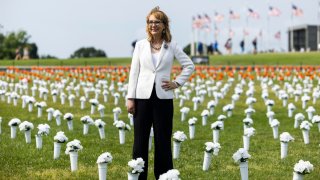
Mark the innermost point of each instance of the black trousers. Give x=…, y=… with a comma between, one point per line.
x=159, y=113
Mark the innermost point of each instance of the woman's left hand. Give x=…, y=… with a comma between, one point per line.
x=168, y=85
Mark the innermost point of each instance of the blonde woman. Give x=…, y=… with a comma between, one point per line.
x=150, y=91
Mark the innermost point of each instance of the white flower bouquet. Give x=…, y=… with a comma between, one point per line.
x=14, y=122
x=40, y=104
x=305, y=125
x=99, y=123
x=179, y=136
x=73, y=146
x=116, y=110
x=172, y=174
x=218, y=125
x=286, y=137
x=68, y=116
x=121, y=125
x=26, y=126
x=60, y=137
x=43, y=129
x=221, y=117
x=136, y=166
x=274, y=123
x=247, y=121
x=104, y=158
x=192, y=121
x=205, y=113
x=241, y=155
x=86, y=120
x=213, y=148
x=303, y=167
x=94, y=102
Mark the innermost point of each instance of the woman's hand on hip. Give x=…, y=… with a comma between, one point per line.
x=169, y=85
x=131, y=106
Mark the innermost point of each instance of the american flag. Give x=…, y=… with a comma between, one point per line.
x=218, y=17
x=245, y=32
x=277, y=35
x=253, y=13
x=273, y=11
x=233, y=15
x=197, y=22
x=296, y=11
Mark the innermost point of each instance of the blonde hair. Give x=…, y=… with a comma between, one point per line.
x=157, y=13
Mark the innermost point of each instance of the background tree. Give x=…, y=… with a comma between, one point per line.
x=87, y=52
x=13, y=40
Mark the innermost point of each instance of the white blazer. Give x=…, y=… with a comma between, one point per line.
x=143, y=73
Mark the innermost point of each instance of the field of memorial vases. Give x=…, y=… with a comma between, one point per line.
x=259, y=122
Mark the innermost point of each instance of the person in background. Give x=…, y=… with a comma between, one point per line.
x=254, y=44
x=150, y=91
x=18, y=53
x=242, y=45
x=228, y=46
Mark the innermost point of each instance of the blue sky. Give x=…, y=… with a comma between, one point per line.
x=59, y=27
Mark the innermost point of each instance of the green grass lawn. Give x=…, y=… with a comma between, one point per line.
x=312, y=58
x=19, y=160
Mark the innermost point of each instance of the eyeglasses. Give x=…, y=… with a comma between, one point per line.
x=157, y=23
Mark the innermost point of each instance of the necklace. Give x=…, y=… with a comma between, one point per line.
x=156, y=48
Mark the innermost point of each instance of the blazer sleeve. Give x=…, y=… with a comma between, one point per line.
x=186, y=63
x=134, y=73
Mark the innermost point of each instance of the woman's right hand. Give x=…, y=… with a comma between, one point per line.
x=130, y=106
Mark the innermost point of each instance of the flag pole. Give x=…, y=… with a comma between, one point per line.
x=268, y=29
x=192, y=39
x=291, y=31
x=318, y=27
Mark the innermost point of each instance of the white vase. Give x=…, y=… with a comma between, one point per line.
x=310, y=115
x=115, y=116
x=181, y=102
x=131, y=121
x=195, y=106
x=297, y=176
x=269, y=108
x=192, y=131
x=82, y=105
x=30, y=107
x=101, y=113
x=62, y=100
x=70, y=124
x=229, y=113
x=244, y=170
x=211, y=110
x=93, y=109
x=105, y=98
x=101, y=133
x=102, y=168
x=290, y=113
x=56, y=150
x=27, y=135
x=204, y=120
x=284, y=102
x=116, y=101
x=304, y=103
x=74, y=160
x=206, y=161
x=216, y=135
x=183, y=116
x=38, y=141
x=122, y=136
x=133, y=176
x=176, y=149
x=275, y=131
x=305, y=134
x=284, y=150
x=58, y=120
x=49, y=116
x=318, y=126
x=85, y=129
x=246, y=142
x=245, y=127
x=13, y=132
x=296, y=124
x=54, y=98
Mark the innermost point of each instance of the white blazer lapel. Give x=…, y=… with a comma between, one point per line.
x=162, y=51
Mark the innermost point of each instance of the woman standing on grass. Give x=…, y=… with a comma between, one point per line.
x=150, y=91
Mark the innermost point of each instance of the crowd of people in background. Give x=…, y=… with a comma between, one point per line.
x=213, y=48
x=22, y=54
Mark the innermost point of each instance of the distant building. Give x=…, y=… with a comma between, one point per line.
x=305, y=38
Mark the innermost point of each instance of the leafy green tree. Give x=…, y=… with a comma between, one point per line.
x=87, y=52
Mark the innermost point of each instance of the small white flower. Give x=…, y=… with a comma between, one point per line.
x=26, y=126
x=217, y=125
x=205, y=113
x=247, y=121
x=105, y=158
x=121, y=125
x=86, y=120
x=274, y=123
x=60, y=137
x=212, y=147
x=73, y=146
x=68, y=116
x=179, y=136
x=291, y=106
x=316, y=119
x=221, y=117
x=192, y=121
x=306, y=125
x=44, y=129
x=241, y=155
x=303, y=167
x=136, y=165
x=117, y=110
x=99, y=123
x=184, y=110
x=286, y=137
x=299, y=117
x=172, y=174
x=14, y=122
